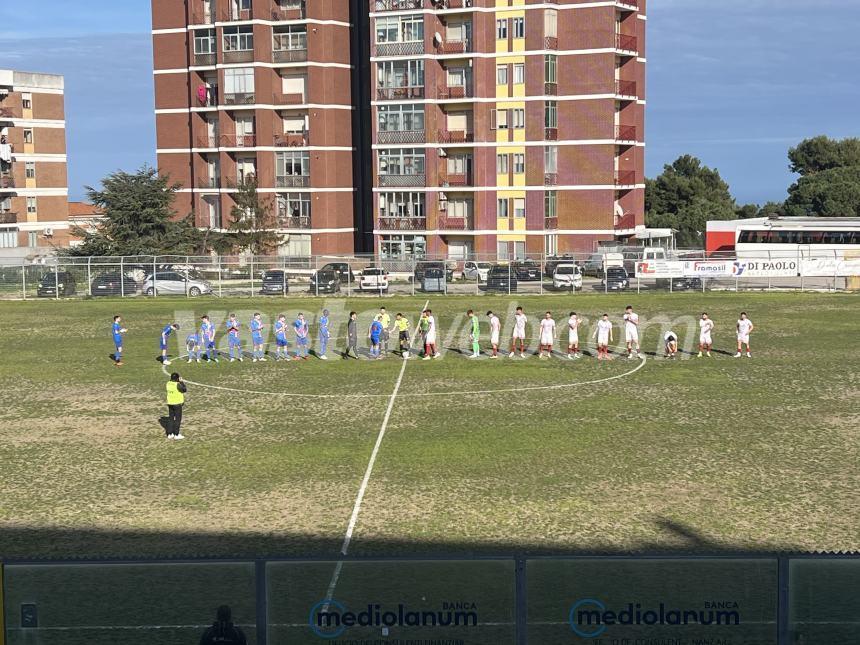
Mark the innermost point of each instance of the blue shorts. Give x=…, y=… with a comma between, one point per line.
x=302, y=340
x=117, y=340
x=281, y=342
x=162, y=345
x=256, y=339
x=234, y=341
x=374, y=340
x=210, y=344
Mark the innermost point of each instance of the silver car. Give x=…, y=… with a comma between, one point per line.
x=173, y=283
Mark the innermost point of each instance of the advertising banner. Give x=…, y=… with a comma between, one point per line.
x=829, y=267
x=708, y=268
x=660, y=269
x=780, y=268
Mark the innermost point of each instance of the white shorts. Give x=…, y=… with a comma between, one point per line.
x=573, y=338
x=602, y=340
x=430, y=338
x=744, y=338
x=631, y=336
x=705, y=339
x=546, y=339
x=494, y=339
x=519, y=335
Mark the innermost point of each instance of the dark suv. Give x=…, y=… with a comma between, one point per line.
x=61, y=283
x=501, y=277
x=275, y=282
x=342, y=269
x=325, y=281
x=113, y=284
x=615, y=279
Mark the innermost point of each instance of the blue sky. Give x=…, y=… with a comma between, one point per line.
x=735, y=82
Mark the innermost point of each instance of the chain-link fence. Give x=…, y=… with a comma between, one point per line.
x=234, y=276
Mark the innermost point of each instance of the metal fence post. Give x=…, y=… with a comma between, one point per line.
x=121, y=278
x=414, y=277
x=220, y=285
x=154, y=280
x=24, y=279
x=90, y=276
x=56, y=280
x=252, y=276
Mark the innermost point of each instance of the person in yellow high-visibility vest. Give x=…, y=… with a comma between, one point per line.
x=176, y=390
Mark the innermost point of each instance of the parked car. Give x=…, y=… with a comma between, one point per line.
x=421, y=267
x=476, y=271
x=342, y=269
x=275, y=282
x=552, y=263
x=61, y=283
x=615, y=279
x=526, y=270
x=324, y=282
x=113, y=284
x=433, y=280
x=501, y=277
x=567, y=276
x=680, y=284
x=173, y=282
x=598, y=262
x=373, y=279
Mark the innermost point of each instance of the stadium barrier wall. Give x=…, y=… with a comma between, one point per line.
x=518, y=600
x=242, y=276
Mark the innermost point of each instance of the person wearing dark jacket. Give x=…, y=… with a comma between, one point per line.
x=223, y=631
x=176, y=390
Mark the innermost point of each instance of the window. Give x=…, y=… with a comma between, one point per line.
x=204, y=41
x=8, y=238
x=398, y=247
x=501, y=164
x=501, y=208
x=28, y=135
x=32, y=239
x=502, y=29
x=550, y=204
x=292, y=164
x=246, y=169
x=400, y=118
x=31, y=205
x=519, y=207
x=519, y=73
x=550, y=65
x=550, y=159
x=296, y=246
x=550, y=23
x=550, y=112
x=499, y=120
x=239, y=80
x=401, y=205
x=502, y=250
x=30, y=169
x=551, y=245
x=401, y=161
x=519, y=27
x=459, y=209
x=519, y=118
x=400, y=73
x=459, y=164
x=292, y=38
x=27, y=100
x=403, y=29
x=294, y=205
x=519, y=164
x=501, y=74
x=238, y=39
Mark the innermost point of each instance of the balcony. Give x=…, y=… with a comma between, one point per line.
x=400, y=136
x=292, y=181
x=550, y=89
x=395, y=5
x=291, y=139
x=625, y=133
x=550, y=42
x=8, y=217
x=232, y=15
x=550, y=223
x=625, y=179
x=206, y=141
x=628, y=44
x=447, y=92
x=240, y=98
x=288, y=99
x=213, y=183
x=454, y=136
x=626, y=89
x=204, y=60
x=207, y=96
x=289, y=55
x=288, y=221
x=402, y=181
x=239, y=56
x=238, y=140
x=401, y=223
x=400, y=49
x=404, y=92
x=454, y=4
x=454, y=47
x=454, y=222
x=550, y=179
x=455, y=179
x=296, y=12
x=201, y=17
x=550, y=134
x=629, y=5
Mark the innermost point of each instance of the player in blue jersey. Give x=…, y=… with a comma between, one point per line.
x=257, y=327
x=302, y=341
x=375, y=335
x=118, y=330
x=281, y=344
x=324, y=334
x=233, y=340
x=165, y=334
x=192, y=344
x=207, y=339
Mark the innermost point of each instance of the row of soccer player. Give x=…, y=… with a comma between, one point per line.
x=202, y=344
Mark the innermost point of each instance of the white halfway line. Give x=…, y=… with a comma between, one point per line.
x=356, y=509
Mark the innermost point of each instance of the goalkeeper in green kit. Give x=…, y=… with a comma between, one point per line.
x=474, y=334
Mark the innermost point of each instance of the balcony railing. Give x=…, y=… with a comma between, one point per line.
x=550, y=42
x=233, y=15
x=453, y=4
x=448, y=179
x=626, y=43
x=292, y=181
x=288, y=99
x=287, y=221
x=208, y=182
x=206, y=141
x=201, y=17
x=455, y=136
x=550, y=179
x=550, y=134
x=239, y=56
x=291, y=139
x=8, y=217
x=625, y=133
x=550, y=223
x=550, y=89
x=401, y=223
x=446, y=92
x=289, y=13
x=455, y=47
x=402, y=181
x=626, y=88
x=455, y=223
x=625, y=178
x=239, y=98
x=400, y=49
x=238, y=140
x=289, y=55
x=204, y=60
x=395, y=5
x=393, y=93
x=400, y=136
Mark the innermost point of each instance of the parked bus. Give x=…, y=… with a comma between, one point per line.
x=798, y=237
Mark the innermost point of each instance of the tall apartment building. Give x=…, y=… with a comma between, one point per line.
x=507, y=127
x=259, y=89
x=34, y=211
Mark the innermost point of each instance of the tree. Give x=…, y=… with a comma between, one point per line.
x=829, y=183
x=684, y=197
x=252, y=226
x=137, y=218
x=822, y=153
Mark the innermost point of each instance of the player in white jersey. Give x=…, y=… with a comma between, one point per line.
x=745, y=328
x=631, y=331
x=495, y=333
x=573, y=336
x=547, y=335
x=603, y=333
x=706, y=326
x=519, y=334
x=670, y=338
x=430, y=338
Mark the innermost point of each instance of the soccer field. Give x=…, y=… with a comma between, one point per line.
x=514, y=456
